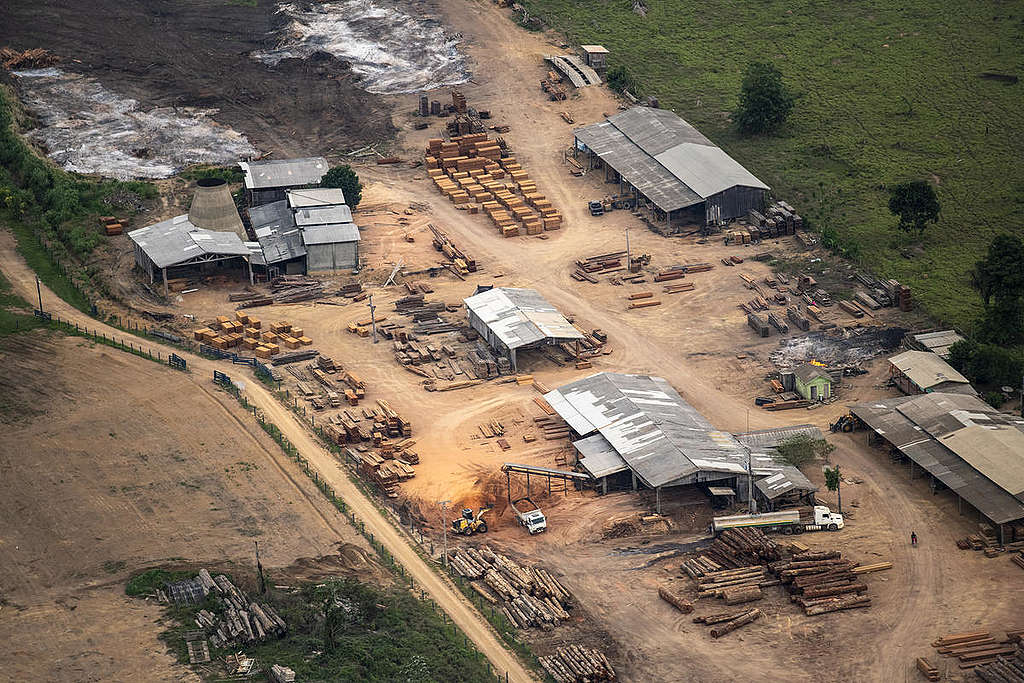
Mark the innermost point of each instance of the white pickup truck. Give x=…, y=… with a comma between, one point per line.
x=786, y=521
x=529, y=515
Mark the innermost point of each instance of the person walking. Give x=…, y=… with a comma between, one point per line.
x=913, y=538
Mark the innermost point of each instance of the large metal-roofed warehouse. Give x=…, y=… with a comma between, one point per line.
x=640, y=425
x=512, y=319
x=678, y=175
x=963, y=443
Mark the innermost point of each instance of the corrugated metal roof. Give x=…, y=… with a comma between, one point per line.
x=918, y=426
x=637, y=167
x=594, y=49
x=770, y=438
x=995, y=451
x=683, y=167
x=925, y=369
x=316, y=196
x=519, y=317
x=660, y=436
x=260, y=175
x=785, y=480
x=275, y=216
x=281, y=246
x=176, y=241
x=808, y=373
x=323, y=215
x=937, y=342
x=598, y=457
x=330, y=234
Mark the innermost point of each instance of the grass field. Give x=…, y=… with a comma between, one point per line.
x=886, y=92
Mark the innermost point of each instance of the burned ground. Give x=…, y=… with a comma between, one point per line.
x=199, y=54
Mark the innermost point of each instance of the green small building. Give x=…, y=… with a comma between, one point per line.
x=812, y=382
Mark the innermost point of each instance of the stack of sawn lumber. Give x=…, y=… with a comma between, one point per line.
x=576, y=664
x=601, y=264
x=822, y=582
x=528, y=596
x=977, y=648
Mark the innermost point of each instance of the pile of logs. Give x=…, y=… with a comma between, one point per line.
x=36, y=58
x=726, y=622
x=576, y=664
x=601, y=264
x=242, y=620
x=528, y=596
x=822, y=582
x=1008, y=668
x=462, y=262
x=733, y=549
x=288, y=289
x=981, y=648
x=735, y=586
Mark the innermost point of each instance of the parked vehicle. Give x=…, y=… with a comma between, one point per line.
x=596, y=208
x=469, y=524
x=785, y=521
x=529, y=515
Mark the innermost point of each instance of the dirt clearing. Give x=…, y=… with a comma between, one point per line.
x=110, y=465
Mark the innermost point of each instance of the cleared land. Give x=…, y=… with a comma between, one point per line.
x=112, y=465
x=886, y=92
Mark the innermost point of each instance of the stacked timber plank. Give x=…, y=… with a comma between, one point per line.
x=459, y=259
x=577, y=664
x=238, y=619
x=587, y=269
x=1001, y=656
x=476, y=173
x=527, y=596
x=551, y=427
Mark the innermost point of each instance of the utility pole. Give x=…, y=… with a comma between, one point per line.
x=373, y=318
x=444, y=528
x=751, y=505
x=839, y=488
x=259, y=569
x=39, y=293
x=627, y=249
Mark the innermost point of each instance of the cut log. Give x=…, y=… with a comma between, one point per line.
x=730, y=626
x=675, y=600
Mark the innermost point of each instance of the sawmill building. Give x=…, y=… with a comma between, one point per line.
x=677, y=175
x=963, y=444
x=511, y=320
x=923, y=372
x=637, y=431
x=309, y=231
x=269, y=181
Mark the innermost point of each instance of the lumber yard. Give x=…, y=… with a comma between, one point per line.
x=549, y=364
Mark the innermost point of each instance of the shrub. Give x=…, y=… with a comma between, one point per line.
x=765, y=102
x=345, y=178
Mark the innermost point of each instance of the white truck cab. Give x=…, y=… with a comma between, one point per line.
x=826, y=518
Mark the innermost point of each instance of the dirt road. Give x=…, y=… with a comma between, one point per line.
x=461, y=611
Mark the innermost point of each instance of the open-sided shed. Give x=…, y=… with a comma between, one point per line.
x=177, y=248
x=510, y=319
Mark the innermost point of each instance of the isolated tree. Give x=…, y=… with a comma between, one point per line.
x=801, y=449
x=765, y=102
x=833, y=482
x=344, y=178
x=916, y=205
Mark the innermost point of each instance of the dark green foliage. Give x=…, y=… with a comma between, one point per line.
x=916, y=204
x=1000, y=279
x=147, y=582
x=832, y=478
x=345, y=178
x=1001, y=272
x=801, y=449
x=620, y=79
x=344, y=630
x=765, y=102
x=59, y=205
x=994, y=398
x=988, y=364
